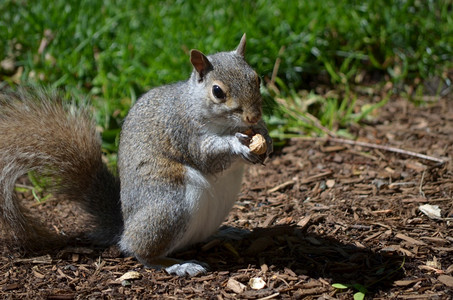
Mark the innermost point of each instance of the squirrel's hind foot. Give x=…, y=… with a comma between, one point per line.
x=188, y=268
x=176, y=267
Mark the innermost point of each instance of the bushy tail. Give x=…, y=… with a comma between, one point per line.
x=39, y=133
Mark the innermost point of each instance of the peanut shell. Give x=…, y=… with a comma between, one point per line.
x=258, y=144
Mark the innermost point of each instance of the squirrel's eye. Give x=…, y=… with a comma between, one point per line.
x=218, y=92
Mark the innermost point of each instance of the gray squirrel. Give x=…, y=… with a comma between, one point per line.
x=181, y=157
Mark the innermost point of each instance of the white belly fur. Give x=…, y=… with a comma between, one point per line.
x=210, y=199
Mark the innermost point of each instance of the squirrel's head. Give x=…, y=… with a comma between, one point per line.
x=231, y=87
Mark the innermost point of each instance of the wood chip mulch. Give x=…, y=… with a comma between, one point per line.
x=317, y=214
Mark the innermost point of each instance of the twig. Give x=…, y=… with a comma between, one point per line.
x=270, y=296
x=315, y=177
x=380, y=147
x=277, y=65
x=281, y=186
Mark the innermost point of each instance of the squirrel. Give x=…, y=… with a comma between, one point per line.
x=181, y=158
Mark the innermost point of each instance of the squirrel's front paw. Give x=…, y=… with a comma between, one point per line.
x=189, y=268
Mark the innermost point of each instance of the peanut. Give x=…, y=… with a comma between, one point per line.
x=258, y=144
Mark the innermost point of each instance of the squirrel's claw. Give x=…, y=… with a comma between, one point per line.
x=243, y=138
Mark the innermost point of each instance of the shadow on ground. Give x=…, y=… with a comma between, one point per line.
x=289, y=249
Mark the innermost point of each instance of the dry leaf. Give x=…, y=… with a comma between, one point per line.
x=434, y=263
x=432, y=211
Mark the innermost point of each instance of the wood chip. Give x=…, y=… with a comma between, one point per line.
x=334, y=148
x=446, y=279
x=62, y=274
x=10, y=287
x=409, y=239
x=374, y=235
x=434, y=240
x=315, y=177
x=304, y=222
x=431, y=269
x=45, y=259
x=446, y=249
x=204, y=278
x=270, y=219
x=38, y=274
x=305, y=292
x=421, y=297
x=235, y=286
x=408, y=282
x=416, y=166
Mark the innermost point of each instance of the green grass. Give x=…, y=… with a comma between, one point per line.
x=113, y=51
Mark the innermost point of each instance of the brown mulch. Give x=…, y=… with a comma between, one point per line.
x=319, y=213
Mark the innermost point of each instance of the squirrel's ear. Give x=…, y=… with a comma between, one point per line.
x=200, y=62
x=240, y=50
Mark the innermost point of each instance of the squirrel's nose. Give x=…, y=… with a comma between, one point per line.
x=253, y=119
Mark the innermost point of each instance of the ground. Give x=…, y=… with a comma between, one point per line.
x=317, y=214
